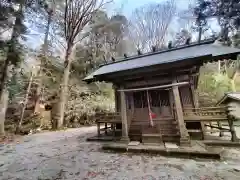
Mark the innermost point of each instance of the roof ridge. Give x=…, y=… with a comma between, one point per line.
x=207, y=41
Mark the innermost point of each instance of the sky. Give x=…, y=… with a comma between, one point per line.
x=128, y=6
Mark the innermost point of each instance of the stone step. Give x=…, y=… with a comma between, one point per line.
x=174, y=139
x=152, y=138
x=171, y=135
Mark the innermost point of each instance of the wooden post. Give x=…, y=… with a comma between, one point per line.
x=232, y=130
x=116, y=96
x=106, y=128
x=98, y=129
x=196, y=105
x=131, y=110
x=125, y=137
x=131, y=101
x=219, y=124
x=25, y=102
x=184, y=139
x=171, y=100
x=117, y=104
x=3, y=109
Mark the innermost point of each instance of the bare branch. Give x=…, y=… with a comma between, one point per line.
x=149, y=24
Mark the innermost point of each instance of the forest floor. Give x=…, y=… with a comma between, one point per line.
x=67, y=155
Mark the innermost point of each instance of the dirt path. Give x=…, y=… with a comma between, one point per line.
x=66, y=155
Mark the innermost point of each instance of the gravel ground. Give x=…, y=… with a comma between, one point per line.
x=66, y=155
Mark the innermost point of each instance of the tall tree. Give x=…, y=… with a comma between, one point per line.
x=13, y=18
x=106, y=39
x=49, y=10
x=228, y=15
x=201, y=12
x=12, y=55
x=117, y=29
x=227, y=12
x=77, y=15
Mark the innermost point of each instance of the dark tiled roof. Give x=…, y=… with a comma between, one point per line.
x=165, y=56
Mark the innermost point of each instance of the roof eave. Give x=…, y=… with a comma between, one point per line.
x=225, y=97
x=232, y=56
x=104, y=77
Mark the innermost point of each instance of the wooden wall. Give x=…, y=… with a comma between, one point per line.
x=165, y=107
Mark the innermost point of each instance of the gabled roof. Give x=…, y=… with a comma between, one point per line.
x=166, y=56
x=232, y=95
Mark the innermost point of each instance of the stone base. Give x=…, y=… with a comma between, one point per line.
x=159, y=149
x=234, y=137
x=125, y=139
x=152, y=139
x=185, y=142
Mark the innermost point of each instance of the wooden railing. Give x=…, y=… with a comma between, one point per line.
x=108, y=119
x=211, y=117
x=205, y=114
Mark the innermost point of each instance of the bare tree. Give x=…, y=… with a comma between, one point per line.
x=149, y=24
x=77, y=15
x=49, y=11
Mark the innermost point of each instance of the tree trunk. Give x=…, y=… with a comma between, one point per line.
x=11, y=49
x=7, y=68
x=64, y=86
x=219, y=67
x=3, y=109
x=45, y=49
x=25, y=104
x=200, y=34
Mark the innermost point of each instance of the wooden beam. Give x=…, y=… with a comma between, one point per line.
x=184, y=139
x=116, y=98
x=155, y=87
x=217, y=127
x=153, y=81
x=147, y=82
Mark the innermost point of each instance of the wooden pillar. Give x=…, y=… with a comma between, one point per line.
x=98, y=129
x=117, y=104
x=184, y=139
x=125, y=137
x=196, y=105
x=106, y=127
x=131, y=110
x=116, y=98
x=232, y=130
x=131, y=101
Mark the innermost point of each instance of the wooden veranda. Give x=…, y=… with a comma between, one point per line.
x=213, y=120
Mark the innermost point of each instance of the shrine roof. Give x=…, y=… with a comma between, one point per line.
x=177, y=54
x=231, y=95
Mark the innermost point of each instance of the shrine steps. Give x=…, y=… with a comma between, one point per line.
x=162, y=131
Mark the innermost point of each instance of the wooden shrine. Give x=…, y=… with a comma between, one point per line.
x=155, y=93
